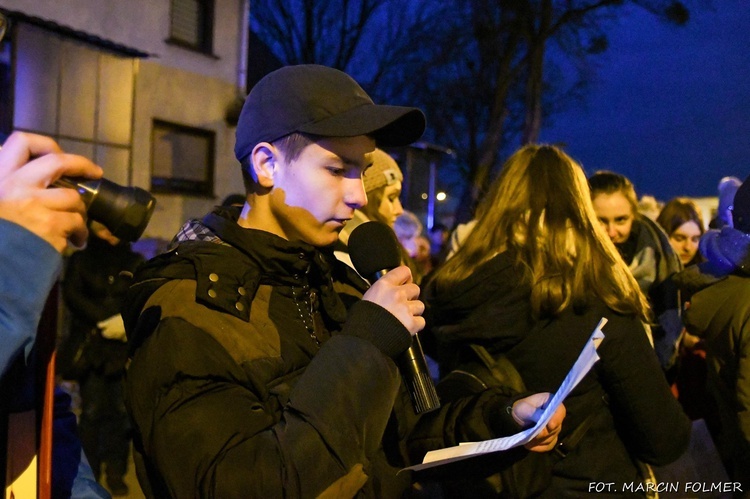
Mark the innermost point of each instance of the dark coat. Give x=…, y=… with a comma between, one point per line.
x=249, y=377
x=719, y=313
x=635, y=413
x=94, y=286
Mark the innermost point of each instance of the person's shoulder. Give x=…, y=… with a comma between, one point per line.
x=616, y=322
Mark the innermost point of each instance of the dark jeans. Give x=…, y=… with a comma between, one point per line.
x=104, y=426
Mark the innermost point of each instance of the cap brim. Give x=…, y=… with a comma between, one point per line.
x=388, y=125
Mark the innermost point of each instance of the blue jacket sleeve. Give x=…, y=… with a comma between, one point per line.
x=28, y=269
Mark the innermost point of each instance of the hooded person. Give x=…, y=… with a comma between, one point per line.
x=719, y=313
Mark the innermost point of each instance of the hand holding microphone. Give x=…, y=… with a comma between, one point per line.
x=397, y=293
x=374, y=250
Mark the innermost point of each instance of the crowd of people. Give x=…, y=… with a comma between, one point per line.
x=250, y=359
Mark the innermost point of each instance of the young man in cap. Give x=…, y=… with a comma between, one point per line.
x=249, y=378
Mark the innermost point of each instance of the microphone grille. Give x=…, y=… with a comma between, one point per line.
x=373, y=247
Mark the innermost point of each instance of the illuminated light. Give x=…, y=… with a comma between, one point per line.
x=424, y=195
x=441, y=196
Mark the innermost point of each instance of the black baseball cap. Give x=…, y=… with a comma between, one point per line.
x=319, y=100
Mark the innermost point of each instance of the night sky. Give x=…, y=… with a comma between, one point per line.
x=670, y=107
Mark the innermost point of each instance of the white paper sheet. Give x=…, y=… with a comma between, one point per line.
x=581, y=367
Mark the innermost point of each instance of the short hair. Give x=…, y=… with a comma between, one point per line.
x=607, y=182
x=291, y=147
x=677, y=212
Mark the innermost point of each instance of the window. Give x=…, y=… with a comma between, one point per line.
x=182, y=159
x=192, y=24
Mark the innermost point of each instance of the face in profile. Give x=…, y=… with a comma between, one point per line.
x=615, y=213
x=314, y=195
x=685, y=240
x=390, y=205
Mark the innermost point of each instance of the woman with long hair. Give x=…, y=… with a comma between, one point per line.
x=682, y=221
x=528, y=285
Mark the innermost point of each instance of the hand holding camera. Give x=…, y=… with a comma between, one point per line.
x=30, y=163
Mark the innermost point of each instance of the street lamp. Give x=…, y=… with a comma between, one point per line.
x=432, y=186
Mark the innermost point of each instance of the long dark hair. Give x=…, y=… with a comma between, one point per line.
x=540, y=209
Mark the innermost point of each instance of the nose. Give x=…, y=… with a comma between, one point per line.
x=398, y=208
x=692, y=246
x=611, y=231
x=354, y=194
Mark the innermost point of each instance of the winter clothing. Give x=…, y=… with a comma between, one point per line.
x=725, y=250
x=625, y=399
x=652, y=261
x=93, y=290
x=384, y=171
x=250, y=378
x=719, y=313
x=28, y=269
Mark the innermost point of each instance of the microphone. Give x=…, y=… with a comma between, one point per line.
x=374, y=250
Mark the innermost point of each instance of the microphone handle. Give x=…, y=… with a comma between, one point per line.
x=413, y=367
x=414, y=371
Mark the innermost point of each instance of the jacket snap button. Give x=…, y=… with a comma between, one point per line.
x=241, y=291
x=239, y=306
x=213, y=277
x=212, y=293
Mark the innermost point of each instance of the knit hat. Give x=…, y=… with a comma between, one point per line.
x=741, y=207
x=384, y=171
x=319, y=100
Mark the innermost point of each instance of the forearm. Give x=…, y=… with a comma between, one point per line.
x=471, y=418
x=657, y=430
x=28, y=269
x=261, y=439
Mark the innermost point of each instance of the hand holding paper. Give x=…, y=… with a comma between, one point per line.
x=581, y=367
x=527, y=411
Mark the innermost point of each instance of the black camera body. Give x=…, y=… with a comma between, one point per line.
x=125, y=211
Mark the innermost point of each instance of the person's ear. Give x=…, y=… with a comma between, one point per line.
x=263, y=163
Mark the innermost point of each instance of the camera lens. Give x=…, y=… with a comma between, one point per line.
x=125, y=211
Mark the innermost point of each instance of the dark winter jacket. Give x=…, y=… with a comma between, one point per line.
x=634, y=413
x=719, y=313
x=250, y=378
x=94, y=286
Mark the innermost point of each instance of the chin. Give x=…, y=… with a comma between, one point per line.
x=323, y=239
